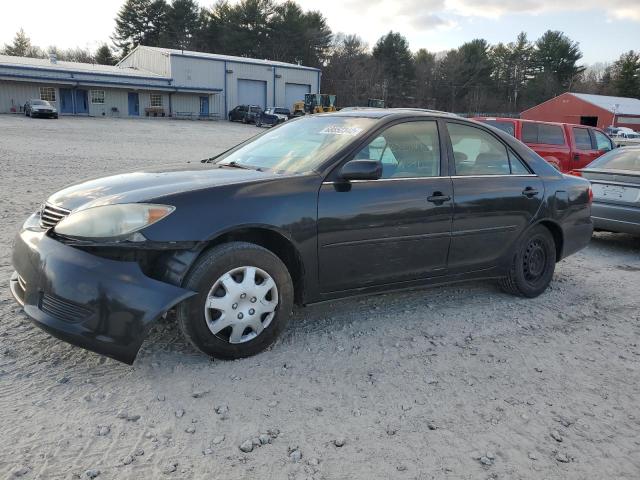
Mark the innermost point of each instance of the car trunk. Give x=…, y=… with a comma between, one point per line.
x=621, y=187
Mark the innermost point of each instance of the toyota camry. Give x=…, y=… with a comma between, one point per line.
x=319, y=208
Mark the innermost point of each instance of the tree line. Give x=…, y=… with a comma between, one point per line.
x=473, y=78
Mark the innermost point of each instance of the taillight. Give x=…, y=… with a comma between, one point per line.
x=590, y=194
x=576, y=173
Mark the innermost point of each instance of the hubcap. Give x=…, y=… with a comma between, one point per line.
x=535, y=261
x=241, y=304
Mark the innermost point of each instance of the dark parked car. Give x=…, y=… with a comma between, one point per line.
x=323, y=207
x=40, y=108
x=245, y=113
x=615, y=180
x=273, y=116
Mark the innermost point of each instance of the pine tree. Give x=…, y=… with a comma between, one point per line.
x=183, y=21
x=626, y=75
x=21, y=46
x=104, y=56
x=140, y=22
x=396, y=64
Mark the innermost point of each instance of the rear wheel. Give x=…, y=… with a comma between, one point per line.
x=533, y=264
x=244, y=301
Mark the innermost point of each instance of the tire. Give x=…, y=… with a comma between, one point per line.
x=198, y=323
x=533, y=264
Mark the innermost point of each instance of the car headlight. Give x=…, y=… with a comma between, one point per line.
x=112, y=221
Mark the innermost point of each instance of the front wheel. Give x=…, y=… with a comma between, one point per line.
x=244, y=301
x=533, y=264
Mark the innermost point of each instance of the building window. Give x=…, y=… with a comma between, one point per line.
x=97, y=96
x=155, y=100
x=48, y=94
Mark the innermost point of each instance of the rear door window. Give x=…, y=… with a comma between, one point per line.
x=476, y=152
x=542, y=133
x=583, y=139
x=550, y=134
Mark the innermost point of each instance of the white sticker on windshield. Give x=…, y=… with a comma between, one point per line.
x=340, y=130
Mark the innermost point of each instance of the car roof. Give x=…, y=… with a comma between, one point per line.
x=526, y=120
x=370, y=112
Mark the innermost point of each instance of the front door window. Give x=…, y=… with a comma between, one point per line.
x=406, y=150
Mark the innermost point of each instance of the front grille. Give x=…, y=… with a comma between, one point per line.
x=50, y=216
x=63, y=309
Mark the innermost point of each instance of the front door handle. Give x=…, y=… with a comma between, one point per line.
x=530, y=192
x=438, y=198
x=576, y=157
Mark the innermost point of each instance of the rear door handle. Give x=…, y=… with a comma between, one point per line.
x=438, y=198
x=530, y=192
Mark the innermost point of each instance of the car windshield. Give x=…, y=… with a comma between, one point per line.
x=298, y=146
x=39, y=102
x=619, y=159
x=282, y=111
x=505, y=126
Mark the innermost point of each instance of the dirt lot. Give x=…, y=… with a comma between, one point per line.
x=462, y=382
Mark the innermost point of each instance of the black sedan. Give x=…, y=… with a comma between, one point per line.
x=318, y=208
x=40, y=108
x=615, y=180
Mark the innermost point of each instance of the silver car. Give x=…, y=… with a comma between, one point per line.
x=40, y=108
x=615, y=182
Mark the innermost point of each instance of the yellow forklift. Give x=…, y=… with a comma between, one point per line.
x=315, y=103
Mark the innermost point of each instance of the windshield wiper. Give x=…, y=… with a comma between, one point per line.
x=235, y=164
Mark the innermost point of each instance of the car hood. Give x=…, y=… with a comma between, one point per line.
x=140, y=186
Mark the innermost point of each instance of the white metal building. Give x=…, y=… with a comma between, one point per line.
x=154, y=81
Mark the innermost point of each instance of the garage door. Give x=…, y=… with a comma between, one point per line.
x=252, y=92
x=294, y=92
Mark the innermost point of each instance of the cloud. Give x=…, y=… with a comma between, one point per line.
x=498, y=8
x=429, y=21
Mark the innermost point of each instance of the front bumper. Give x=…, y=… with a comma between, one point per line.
x=103, y=305
x=40, y=114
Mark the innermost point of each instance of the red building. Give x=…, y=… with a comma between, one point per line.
x=584, y=109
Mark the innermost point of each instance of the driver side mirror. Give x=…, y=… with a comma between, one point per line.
x=361, y=170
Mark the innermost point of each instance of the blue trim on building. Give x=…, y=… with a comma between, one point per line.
x=182, y=88
x=226, y=108
x=76, y=82
x=318, y=89
x=274, y=87
x=246, y=62
x=81, y=72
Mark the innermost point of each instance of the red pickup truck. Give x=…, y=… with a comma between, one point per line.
x=566, y=146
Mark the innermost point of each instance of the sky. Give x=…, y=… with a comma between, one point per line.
x=604, y=29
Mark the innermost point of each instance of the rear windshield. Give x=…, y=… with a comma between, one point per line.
x=282, y=111
x=298, y=146
x=619, y=159
x=505, y=126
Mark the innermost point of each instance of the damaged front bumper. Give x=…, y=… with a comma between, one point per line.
x=96, y=303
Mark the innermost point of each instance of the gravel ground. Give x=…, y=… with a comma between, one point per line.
x=461, y=382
